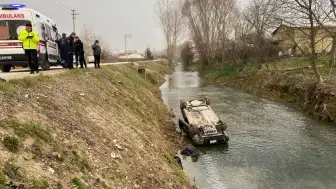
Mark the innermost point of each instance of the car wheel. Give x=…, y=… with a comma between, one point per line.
x=221, y=126
x=180, y=123
x=193, y=130
x=207, y=101
x=183, y=104
x=45, y=64
x=6, y=68
x=226, y=138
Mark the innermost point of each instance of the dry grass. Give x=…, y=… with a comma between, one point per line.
x=299, y=68
x=71, y=124
x=160, y=67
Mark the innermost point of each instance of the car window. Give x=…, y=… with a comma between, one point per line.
x=10, y=29
x=55, y=32
x=49, y=33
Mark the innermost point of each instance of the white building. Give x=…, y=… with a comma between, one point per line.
x=133, y=56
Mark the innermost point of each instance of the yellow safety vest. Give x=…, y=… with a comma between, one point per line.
x=29, y=43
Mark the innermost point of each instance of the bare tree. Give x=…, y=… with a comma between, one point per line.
x=325, y=18
x=262, y=15
x=88, y=37
x=247, y=48
x=329, y=9
x=332, y=16
x=170, y=18
x=308, y=17
x=210, y=24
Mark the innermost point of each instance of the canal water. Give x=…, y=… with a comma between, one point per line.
x=271, y=145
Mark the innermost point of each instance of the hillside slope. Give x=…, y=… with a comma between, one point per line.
x=86, y=129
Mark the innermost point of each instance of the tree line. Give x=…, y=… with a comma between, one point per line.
x=222, y=33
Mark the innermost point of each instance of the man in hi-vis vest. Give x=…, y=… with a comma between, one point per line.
x=30, y=40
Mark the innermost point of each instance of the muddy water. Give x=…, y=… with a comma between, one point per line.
x=271, y=145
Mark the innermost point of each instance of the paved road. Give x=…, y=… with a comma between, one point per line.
x=24, y=72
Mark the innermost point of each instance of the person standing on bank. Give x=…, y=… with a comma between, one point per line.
x=63, y=45
x=70, y=50
x=76, y=50
x=30, y=40
x=96, y=53
x=79, y=51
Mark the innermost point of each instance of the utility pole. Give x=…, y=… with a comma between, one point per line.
x=73, y=19
x=126, y=37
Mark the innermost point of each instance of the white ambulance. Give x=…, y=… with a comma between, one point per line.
x=13, y=18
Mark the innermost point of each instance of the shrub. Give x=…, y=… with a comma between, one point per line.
x=12, y=170
x=3, y=180
x=78, y=183
x=41, y=184
x=33, y=130
x=11, y=143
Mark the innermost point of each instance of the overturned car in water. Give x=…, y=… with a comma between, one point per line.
x=201, y=123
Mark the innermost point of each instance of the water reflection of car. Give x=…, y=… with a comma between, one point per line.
x=201, y=123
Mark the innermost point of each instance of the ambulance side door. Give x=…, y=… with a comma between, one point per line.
x=57, y=37
x=42, y=34
x=51, y=44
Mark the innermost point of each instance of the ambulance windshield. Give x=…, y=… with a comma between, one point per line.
x=10, y=29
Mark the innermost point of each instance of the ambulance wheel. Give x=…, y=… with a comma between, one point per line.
x=6, y=68
x=45, y=64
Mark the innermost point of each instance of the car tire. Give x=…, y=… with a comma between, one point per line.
x=193, y=131
x=183, y=104
x=207, y=101
x=45, y=63
x=181, y=125
x=226, y=138
x=184, y=126
x=221, y=126
x=6, y=68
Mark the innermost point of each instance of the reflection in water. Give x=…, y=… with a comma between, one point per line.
x=271, y=145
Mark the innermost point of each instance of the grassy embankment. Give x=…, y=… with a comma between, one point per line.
x=288, y=80
x=88, y=128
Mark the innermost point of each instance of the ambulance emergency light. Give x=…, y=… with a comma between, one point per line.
x=12, y=5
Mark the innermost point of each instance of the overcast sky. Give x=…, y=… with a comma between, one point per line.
x=110, y=19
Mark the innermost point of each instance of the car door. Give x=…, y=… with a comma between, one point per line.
x=57, y=37
x=52, y=50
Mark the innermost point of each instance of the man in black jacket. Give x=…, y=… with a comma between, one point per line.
x=62, y=46
x=79, y=53
x=77, y=49
x=70, y=50
x=96, y=53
